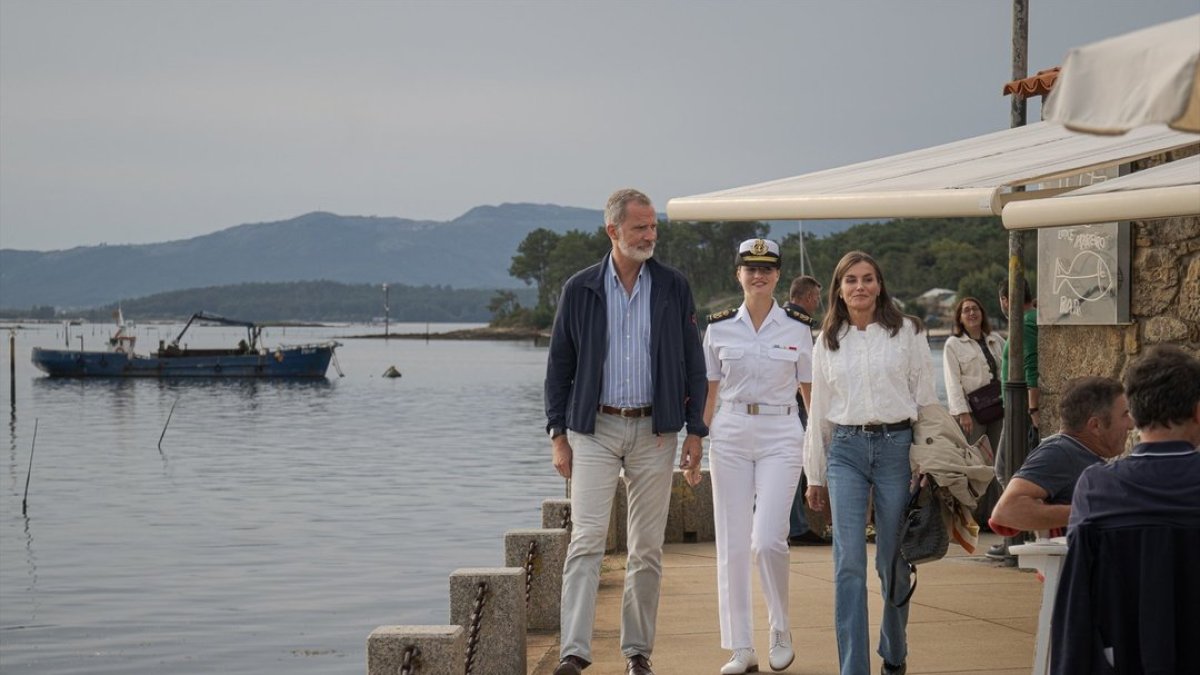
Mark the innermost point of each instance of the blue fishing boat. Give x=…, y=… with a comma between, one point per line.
x=247, y=359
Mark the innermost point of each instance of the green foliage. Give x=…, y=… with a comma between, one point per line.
x=316, y=301
x=916, y=254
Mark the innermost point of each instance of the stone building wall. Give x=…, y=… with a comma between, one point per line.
x=1164, y=306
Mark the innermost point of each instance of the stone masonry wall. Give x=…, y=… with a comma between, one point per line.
x=1164, y=304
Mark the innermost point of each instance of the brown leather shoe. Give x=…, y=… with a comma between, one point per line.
x=571, y=665
x=639, y=665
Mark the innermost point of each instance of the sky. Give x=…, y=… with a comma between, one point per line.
x=126, y=122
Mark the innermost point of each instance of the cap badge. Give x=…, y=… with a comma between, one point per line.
x=759, y=247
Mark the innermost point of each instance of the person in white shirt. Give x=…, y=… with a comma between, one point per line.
x=872, y=371
x=970, y=360
x=758, y=356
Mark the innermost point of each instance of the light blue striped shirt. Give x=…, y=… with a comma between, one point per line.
x=627, y=368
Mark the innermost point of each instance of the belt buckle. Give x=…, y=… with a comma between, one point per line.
x=627, y=412
x=752, y=409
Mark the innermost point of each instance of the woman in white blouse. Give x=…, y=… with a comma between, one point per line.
x=758, y=356
x=970, y=360
x=872, y=371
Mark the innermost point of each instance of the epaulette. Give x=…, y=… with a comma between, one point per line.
x=800, y=316
x=722, y=315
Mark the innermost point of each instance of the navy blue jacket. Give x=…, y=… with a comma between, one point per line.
x=579, y=345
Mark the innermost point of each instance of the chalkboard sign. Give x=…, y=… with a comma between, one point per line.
x=1083, y=274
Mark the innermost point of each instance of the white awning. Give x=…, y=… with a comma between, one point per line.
x=1149, y=76
x=1164, y=191
x=972, y=177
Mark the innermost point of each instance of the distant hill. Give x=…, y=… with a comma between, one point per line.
x=472, y=251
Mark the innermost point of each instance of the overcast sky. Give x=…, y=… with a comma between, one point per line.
x=147, y=121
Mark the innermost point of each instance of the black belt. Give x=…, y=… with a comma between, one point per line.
x=643, y=411
x=881, y=428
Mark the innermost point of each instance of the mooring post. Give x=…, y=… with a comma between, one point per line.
x=489, y=603
x=417, y=650
x=541, y=553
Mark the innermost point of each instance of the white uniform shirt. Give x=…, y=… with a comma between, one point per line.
x=872, y=378
x=748, y=363
x=965, y=368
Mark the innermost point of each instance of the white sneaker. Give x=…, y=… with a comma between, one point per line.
x=742, y=661
x=781, y=655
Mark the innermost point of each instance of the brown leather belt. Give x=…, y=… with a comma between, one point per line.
x=644, y=411
x=882, y=428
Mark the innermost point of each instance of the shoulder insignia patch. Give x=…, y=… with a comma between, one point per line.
x=722, y=315
x=800, y=316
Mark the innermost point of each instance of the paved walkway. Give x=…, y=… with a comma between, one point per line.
x=969, y=615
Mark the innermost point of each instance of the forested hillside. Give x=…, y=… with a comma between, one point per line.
x=964, y=254
x=313, y=301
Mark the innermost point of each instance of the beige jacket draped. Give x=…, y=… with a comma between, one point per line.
x=960, y=470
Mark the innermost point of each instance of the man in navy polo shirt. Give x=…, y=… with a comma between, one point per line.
x=1126, y=600
x=1160, y=480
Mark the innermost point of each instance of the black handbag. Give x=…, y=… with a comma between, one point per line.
x=986, y=404
x=923, y=534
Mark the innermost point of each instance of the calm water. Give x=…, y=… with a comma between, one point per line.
x=282, y=521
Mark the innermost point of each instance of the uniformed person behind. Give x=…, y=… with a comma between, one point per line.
x=804, y=299
x=758, y=356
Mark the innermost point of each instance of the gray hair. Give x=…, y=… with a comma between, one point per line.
x=614, y=211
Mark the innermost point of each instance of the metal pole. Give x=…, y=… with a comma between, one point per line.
x=1017, y=395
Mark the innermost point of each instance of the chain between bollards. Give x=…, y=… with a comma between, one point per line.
x=476, y=617
x=529, y=571
x=566, y=520
x=409, y=665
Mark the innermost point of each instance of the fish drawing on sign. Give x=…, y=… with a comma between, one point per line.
x=1088, y=276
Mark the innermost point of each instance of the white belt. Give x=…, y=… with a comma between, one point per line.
x=764, y=409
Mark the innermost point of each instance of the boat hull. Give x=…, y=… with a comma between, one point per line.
x=309, y=361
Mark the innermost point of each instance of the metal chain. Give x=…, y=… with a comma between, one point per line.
x=409, y=665
x=566, y=521
x=476, y=617
x=529, y=570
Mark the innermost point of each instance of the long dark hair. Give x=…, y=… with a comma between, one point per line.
x=886, y=312
x=959, y=328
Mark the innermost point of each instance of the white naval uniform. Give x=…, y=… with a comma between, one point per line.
x=754, y=459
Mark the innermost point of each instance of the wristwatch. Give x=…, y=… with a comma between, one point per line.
x=555, y=432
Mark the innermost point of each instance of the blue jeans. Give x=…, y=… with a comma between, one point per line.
x=859, y=461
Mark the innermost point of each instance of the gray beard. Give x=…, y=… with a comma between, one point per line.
x=634, y=253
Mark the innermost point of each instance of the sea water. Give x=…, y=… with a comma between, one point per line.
x=280, y=522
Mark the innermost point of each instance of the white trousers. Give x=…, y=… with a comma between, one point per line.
x=755, y=463
x=648, y=461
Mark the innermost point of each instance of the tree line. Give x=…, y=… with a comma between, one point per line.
x=300, y=301
x=967, y=255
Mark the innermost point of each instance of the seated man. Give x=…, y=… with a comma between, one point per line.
x=1095, y=423
x=1135, y=536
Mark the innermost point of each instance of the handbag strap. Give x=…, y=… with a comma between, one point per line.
x=987, y=354
x=913, y=501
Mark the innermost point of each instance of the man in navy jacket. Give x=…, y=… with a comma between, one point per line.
x=1127, y=599
x=625, y=374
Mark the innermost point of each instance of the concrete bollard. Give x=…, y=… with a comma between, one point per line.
x=556, y=513
x=690, y=516
x=545, y=587
x=500, y=647
x=618, y=520
x=439, y=650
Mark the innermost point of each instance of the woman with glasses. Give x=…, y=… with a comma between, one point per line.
x=970, y=360
x=758, y=356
